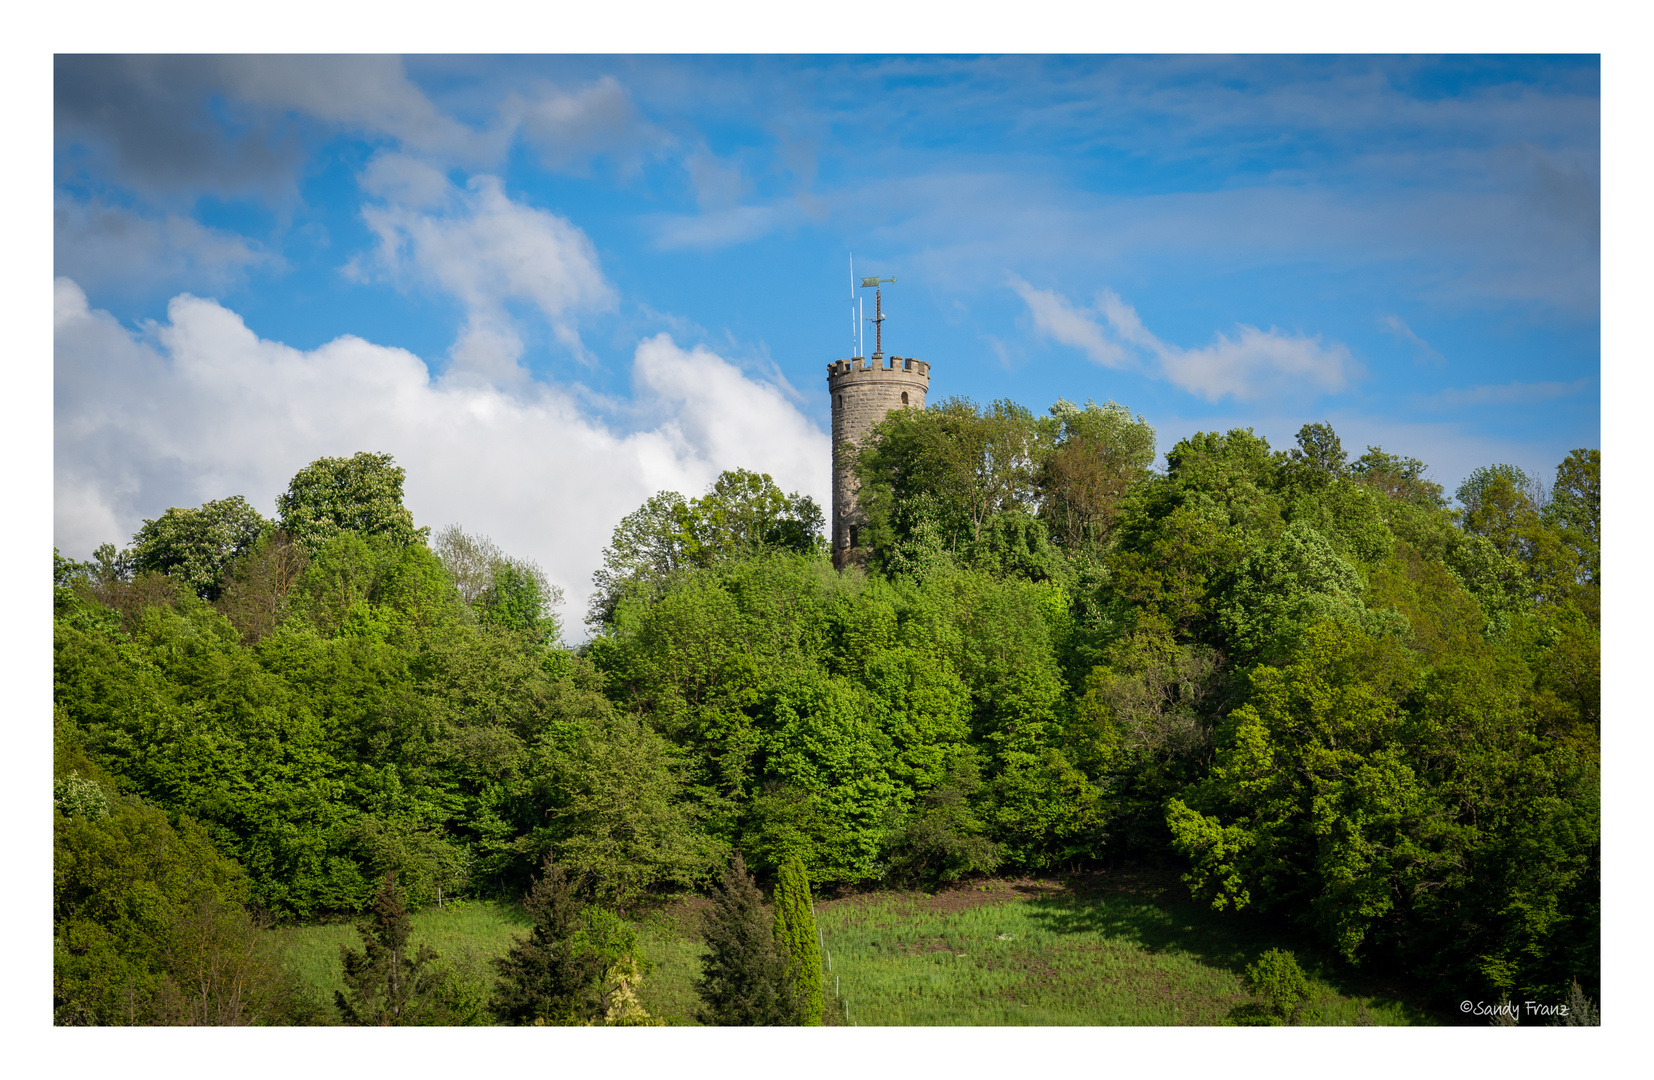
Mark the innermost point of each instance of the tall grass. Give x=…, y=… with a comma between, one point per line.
x=466, y=936
x=1056, y=961
x=668, y=991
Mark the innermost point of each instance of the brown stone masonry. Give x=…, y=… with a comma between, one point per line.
x=864, y=390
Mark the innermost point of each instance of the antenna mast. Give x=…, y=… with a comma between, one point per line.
x=855, y=324
x=878, y=311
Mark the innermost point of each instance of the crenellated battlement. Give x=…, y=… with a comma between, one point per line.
x=876, y=367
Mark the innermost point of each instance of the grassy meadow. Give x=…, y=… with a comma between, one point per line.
x=1109, y=950
x=1038, y=953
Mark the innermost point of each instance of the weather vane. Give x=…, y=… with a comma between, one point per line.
x=878, y=310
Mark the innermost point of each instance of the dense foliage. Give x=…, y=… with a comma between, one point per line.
x=1310, y=683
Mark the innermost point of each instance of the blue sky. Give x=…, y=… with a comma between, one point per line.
x=553, y=285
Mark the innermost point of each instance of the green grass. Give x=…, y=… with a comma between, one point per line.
x=1119, y=959
x=466, y=935
x=668, y=991
x=1126, y=952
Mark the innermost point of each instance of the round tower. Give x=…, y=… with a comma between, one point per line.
x=864, y=389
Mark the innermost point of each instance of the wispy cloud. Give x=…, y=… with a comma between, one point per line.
x=1515, y=393
x=720, y=228
x=1393, y=324
x=1060, y=321
x=571, y=127
x=114, y=246
x=1250, y=365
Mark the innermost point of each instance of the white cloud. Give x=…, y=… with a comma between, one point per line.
x=1257, y=364
x=1058, y=320
x=200, y=408
x=1515, y=393
x=102, y=245
x=486, y=251
x=1251, y=365
x=406, y=182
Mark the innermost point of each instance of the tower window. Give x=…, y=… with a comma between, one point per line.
x=904, y=397
x=841, y=401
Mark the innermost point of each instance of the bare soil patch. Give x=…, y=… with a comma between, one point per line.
x=1148, y=884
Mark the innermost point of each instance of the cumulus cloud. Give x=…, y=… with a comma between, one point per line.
x=1515, y=393
x=485, y=250
x=99, y=244
x=1250, y=365
x=200, y=407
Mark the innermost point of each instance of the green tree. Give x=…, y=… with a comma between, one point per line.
x=948, y=468
x=744, y=977
x=1494, y=499
x=361, y=494
x=797, y=939
x=1576, y=507
x=1099, y=454
x=385, y=983
x=1014, y=544
x=1285, y=587
x=501, y=590
x=644, y=552
x=550, y=976
x=1318, y=460
x=1398, y=477
x=943, y=839
x=1181, y=534
x=197, y=545
x=149, y=923
x=618, y=812
x=743, y=514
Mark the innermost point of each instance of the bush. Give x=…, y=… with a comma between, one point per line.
x=1282, y=989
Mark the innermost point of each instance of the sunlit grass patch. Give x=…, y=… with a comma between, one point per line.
x=1058, y=960
x=466, y=935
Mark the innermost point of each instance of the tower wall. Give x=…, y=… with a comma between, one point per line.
x=863, y=392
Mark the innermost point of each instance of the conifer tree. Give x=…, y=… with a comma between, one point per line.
x=385, y=985
x=795, y=935
x=744, y=979
x=550, y=976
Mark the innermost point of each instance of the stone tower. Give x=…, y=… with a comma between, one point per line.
x=864, y=389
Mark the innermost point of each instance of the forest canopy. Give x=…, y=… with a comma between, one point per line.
x=1312, y=684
